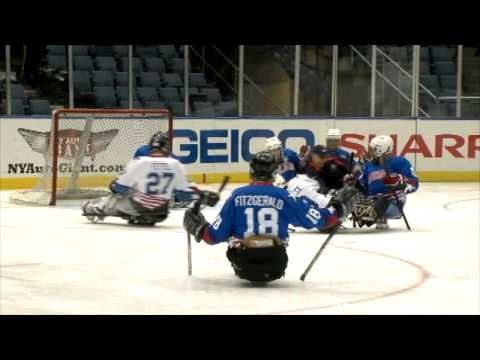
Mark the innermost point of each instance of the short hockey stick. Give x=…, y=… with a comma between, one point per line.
x=196, y=209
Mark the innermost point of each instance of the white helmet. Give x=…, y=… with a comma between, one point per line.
x=381, y=145
x=334, y=134
x=272, y=144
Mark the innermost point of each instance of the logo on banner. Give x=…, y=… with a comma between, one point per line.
x=69, y=142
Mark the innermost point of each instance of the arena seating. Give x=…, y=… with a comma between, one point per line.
x=106, y=63
x=169, y=94
x=102, y=78
x=39, y=107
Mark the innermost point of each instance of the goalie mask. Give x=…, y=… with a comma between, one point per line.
x=263, y=166
x=274, y=146
x=380, y=146
x=160, y=142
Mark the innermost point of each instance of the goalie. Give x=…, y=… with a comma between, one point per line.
x=142, y=193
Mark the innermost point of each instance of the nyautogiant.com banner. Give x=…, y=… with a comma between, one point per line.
x=438, y=149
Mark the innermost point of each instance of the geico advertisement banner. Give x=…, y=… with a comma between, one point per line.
x=226, y=145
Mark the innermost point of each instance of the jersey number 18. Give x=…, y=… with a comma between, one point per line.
x=267, y=221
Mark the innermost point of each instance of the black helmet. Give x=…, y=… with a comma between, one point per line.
x=263, y=166
x=160, y=142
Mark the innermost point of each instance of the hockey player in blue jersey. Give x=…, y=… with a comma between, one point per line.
x=383, y=175
x=288, y=161
x=254, y=221
x=146, y=149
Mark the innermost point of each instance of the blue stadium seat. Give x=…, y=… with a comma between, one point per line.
x=120, y=50
x=191, y=91
x=106, y=63
x=206, y=111
x=425, y=68
x=199, y=105
x=83, y=63
x=424, y=53
x=136, y=64
x=213, y=95
x=147, y=94
x=169, y=94
x=81, y=50
x=17, y=107
x=155, y=64
x=197, y=80
x=57, y=50
x=122, y=93
x=146, y=51
x=150, y=79
x=57, y=61
x=121, y=77
x=40, y=107
x=155, y=105
x=172, y=80
x=431, y=82
x=81, y=82
x=227, y=108
x=105, y=97
x=178, y=66
x=102, y=78
x=445, y=68
x=105, y=51
x=443, y=53
x=18, y=91
x=448, y=82
x=167, y=51
x=177, y=108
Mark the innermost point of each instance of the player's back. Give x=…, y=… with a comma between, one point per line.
x=154, y=175
x=260, y=209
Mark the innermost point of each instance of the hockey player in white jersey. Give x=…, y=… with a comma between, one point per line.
x=143, y=191
x=339, y=202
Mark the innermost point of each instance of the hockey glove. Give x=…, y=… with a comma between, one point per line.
x=209, y=198
x=409, y=189
x=349, y=180
x=195, y=224
x=395, y=182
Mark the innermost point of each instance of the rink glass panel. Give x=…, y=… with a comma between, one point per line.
x=218, y=65
x=393, y=87
x=353, y=81
x=438, y=73
x=471, y=81
x=269, y=80
x=315, y=83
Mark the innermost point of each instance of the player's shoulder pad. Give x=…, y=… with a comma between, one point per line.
x=401, y=161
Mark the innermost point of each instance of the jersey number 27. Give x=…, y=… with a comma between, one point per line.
x=158, y=183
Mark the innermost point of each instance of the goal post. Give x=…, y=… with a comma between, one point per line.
x=87, y=148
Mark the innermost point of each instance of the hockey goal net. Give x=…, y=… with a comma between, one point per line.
x=86, y=149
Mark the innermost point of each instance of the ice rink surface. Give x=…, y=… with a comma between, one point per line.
x=54, y=261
